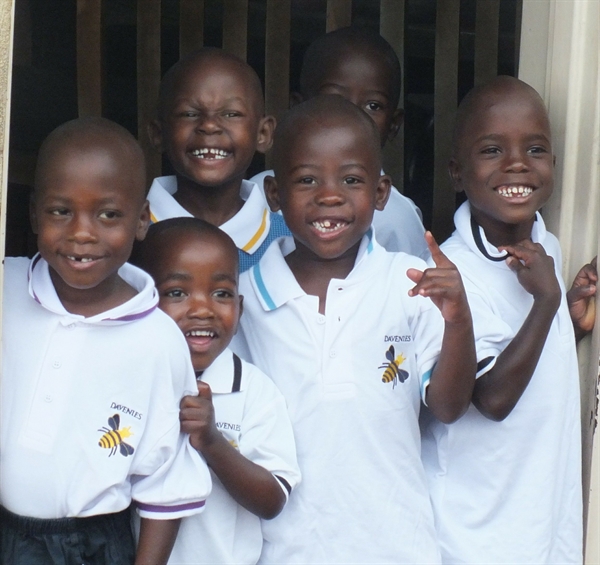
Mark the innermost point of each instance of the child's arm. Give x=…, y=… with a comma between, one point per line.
x=451, y=384
x=156, y=541
x=582, y=299
x=250, y=485
x=498, y=391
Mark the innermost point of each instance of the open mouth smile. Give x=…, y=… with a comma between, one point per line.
x=81, y=259
x=329, y=226
x=519, y=191
x=210, y=153
x=200, y=333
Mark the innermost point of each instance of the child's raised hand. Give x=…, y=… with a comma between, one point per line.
x=535, y=270
x=581, y=299
x=197, y=417
x=442, y=284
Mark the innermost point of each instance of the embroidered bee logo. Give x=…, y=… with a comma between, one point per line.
x=393, y=373
x=113, y=438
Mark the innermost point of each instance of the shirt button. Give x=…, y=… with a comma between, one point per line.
x=340, y=289
x=48, y=398
x=320, y=319
x=57, y=364
x=333, y=353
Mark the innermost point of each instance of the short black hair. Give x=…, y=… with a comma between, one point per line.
x=332, y=47
x=92, y=133
x=171, y=77
x=149, y=249
x=321, y=109
x=502, y=85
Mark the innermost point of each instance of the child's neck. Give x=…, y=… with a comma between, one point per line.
x=88, y=302
x=213, y=204
x=499, y=233
x=314, y=273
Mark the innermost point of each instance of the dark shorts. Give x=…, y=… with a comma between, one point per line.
x=98, y=540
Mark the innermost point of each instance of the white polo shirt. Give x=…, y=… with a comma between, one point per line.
x=510, y=491
x=363, y=497
x=398, y=227
x=90, y=406
x=252, y=229
x=251, y=413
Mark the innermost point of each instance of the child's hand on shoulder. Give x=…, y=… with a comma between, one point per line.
x=535, y=271
x=442, y=284
x=197, y=417
x=581, y=299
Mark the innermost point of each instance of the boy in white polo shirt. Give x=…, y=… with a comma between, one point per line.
x=362, y=66
x=239, y=420
x=93, y=372
x=210, y=123
x=506, y=478
x=354, y=337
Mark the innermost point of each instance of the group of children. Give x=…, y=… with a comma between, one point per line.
x=409, y=411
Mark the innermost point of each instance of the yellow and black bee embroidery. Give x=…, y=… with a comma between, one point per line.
x=113, y=438
x=393, y=373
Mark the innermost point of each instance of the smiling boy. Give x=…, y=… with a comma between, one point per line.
x=92, y=372
x=362, y=66
x=506, y=478
x=239, y=420
x=368, y=334
x=210, y=124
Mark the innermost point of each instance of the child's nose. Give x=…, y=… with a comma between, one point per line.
x=208, y=124
x=198, y=307
x=330, y=194
x=82, y=230
x=516, y=161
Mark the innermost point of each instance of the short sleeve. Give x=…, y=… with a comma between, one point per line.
x=170, y=479
x=267, y=438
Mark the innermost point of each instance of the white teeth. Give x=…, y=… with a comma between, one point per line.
x=212, y=153
x=327, y=226
x=515, y=191
x=200, y=333
x=80, y=259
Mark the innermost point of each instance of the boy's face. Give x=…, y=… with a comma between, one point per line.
x=328, y=185
x=504, y=161
x=88, y=209
x=363, y=79
x=197, y=282
x=212, y=125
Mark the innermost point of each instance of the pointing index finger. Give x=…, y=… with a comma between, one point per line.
x=438, y=257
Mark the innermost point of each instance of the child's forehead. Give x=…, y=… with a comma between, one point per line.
x=501, y=108
x=196, y=73
x=193, y=246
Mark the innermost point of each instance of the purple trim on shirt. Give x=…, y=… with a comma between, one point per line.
x=177, y=508
x=131, y=317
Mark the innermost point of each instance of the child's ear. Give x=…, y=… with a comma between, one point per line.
x=272, y=193
x=266, y=127
x=454, y=172
x=382, y=193
x=396, y=123
x=154, y=130
x=295, y=98
x=241, y=311
x=143, y=222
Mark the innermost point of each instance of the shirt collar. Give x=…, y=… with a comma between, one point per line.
x=274, y=283
x=221, y=375
x=474, y=236
x=248, y=228
x=143, y=303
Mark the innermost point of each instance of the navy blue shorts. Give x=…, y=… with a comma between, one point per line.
x=98, y=540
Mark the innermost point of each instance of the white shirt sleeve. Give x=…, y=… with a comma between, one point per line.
x=267, y=438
